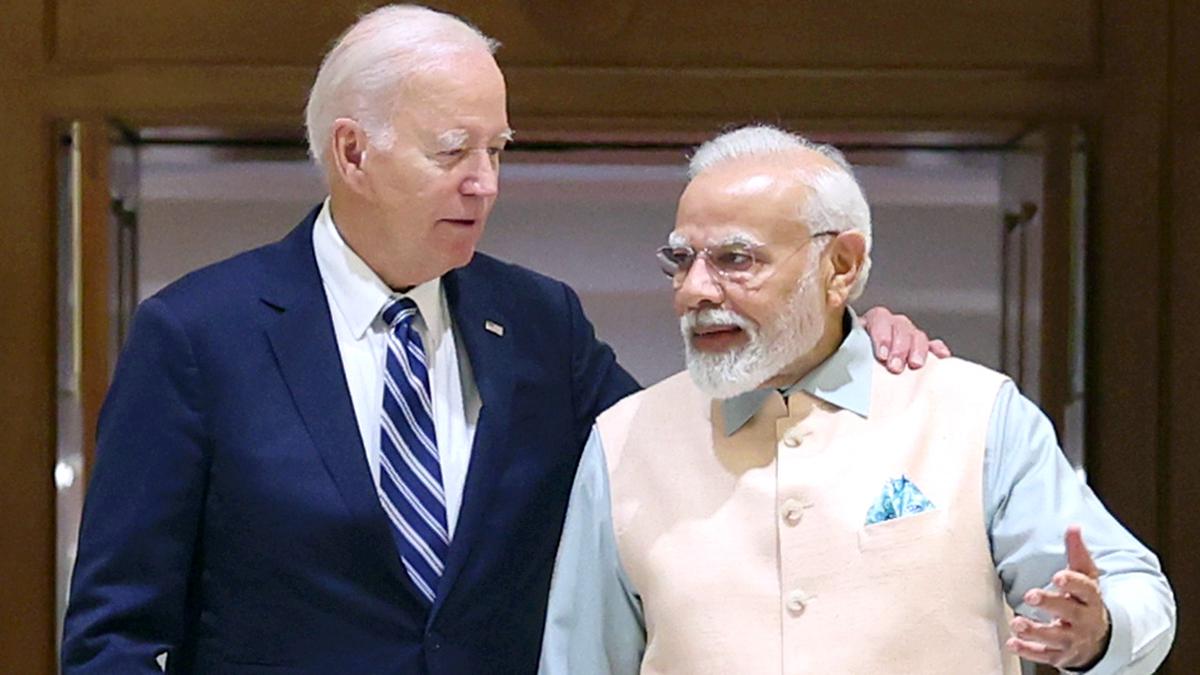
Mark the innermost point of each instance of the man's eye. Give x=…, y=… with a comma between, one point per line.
x=451, y=154
x=495, y=152
x=733, y=259
x=681, y=257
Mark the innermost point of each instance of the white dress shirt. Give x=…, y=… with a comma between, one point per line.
x=356, y=298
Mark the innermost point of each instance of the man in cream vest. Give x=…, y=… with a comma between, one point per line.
x=786, y=507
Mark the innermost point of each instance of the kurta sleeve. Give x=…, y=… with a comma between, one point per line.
x=1031, y=495
x=594, y=624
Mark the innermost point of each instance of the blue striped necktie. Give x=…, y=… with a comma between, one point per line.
x=410, y=473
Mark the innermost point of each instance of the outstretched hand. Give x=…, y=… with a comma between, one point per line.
x=898, y=342
x=1078, y=635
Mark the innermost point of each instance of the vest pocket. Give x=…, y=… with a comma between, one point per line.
x=905, y=532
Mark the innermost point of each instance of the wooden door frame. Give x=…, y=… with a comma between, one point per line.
x=1138, y=107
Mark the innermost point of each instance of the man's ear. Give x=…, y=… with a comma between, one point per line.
x=847, y=256
x=349, y=154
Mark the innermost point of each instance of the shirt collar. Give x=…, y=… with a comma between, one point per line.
x=843, y=380
x=428, y=297
x=358, y=293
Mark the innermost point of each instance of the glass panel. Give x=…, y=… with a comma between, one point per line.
x=937, y=244
x=69, y=465
x=1073, y=434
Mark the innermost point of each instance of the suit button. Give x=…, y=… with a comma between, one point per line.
x=432, y=642
x=796, y=601
x=793, y=511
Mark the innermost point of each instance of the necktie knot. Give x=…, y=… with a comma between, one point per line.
x=398, y=310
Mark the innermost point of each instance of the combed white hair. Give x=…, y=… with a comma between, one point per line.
x=364, y=70
x=836, y=201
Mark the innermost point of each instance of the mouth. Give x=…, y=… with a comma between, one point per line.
x=717, y=338
x=460, y=222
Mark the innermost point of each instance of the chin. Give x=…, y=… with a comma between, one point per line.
x=458, y=255
x=463, y=261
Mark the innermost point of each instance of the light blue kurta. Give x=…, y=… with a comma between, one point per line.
x=1031, y=494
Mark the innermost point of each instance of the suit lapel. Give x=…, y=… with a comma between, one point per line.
x=306, y=350
x=481, y=324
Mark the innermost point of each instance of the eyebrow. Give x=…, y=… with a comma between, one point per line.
x=453, y=139
x=739, y=238
x=677, y=240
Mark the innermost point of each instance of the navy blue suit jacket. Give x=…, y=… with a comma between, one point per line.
x=232, y=521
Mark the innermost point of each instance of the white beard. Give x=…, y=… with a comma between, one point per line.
x=770, y=349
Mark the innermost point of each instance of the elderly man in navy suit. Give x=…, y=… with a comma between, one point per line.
x=350, y=451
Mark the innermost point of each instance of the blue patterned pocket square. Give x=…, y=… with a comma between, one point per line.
x=901, y=497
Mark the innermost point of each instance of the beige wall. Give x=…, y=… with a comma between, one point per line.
x=1129, y=72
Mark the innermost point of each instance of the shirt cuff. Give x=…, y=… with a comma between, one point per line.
x=1120, y=644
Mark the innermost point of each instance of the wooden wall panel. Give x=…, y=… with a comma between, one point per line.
x=543, y=100
x=732, y=95
x=23, y=41
x=1125, y=270
x=27, y=351
x=918, y=34
x=27, y=394
x=288, y=32
x=925, y=34
x=1181, y=322
x=183, y=95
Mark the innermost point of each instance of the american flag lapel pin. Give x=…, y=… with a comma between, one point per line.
x=493, y=327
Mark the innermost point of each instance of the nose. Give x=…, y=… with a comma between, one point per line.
x=483, y=175
x=697, y=286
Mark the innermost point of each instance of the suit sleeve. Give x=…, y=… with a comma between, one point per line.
x=143, y=507
x=597, y=380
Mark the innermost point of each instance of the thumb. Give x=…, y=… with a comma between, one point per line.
x=1079, y=559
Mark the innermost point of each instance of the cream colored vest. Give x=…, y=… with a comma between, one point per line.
x=750, y=551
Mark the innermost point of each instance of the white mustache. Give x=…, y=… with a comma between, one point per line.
x=714, y=316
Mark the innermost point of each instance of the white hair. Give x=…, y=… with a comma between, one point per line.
x=835, y=203
x=362, y=73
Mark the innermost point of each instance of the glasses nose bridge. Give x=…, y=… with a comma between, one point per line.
x=706, y=255
x=711, y=283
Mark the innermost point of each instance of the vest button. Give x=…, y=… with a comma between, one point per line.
x=793, y=511
x=796, y=601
